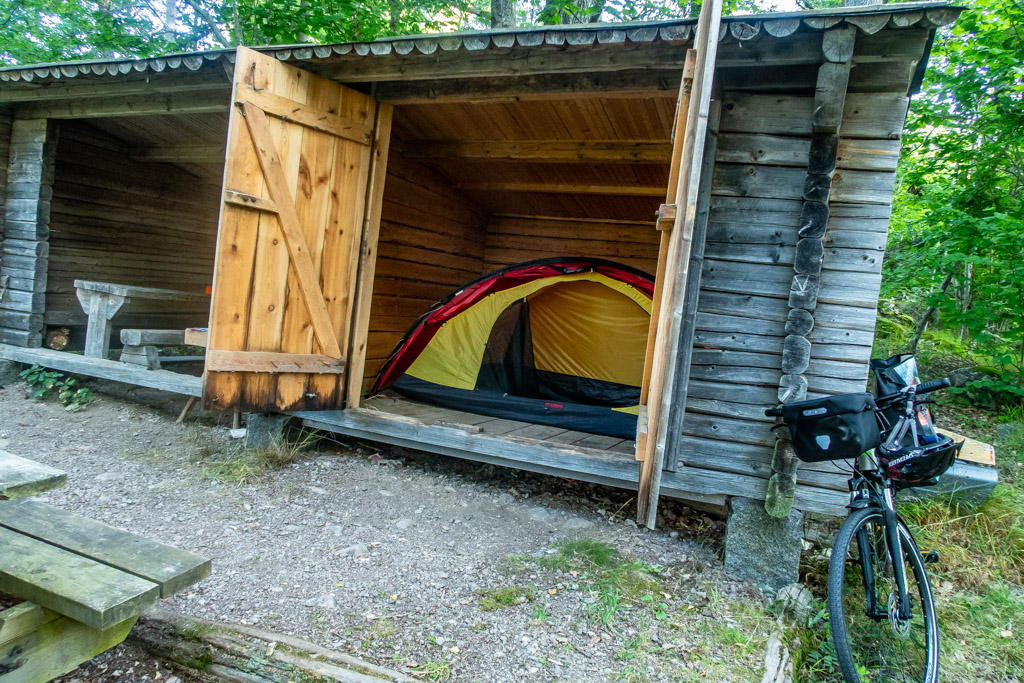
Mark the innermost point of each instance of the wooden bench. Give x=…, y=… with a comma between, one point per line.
x=140, y=345
x=85, y=584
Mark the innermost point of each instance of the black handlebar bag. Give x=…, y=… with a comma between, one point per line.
x=832, y=428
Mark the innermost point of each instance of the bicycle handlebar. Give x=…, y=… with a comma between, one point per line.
x=934, y=385
x=924, y=388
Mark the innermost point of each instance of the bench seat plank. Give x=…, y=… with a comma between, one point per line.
x=170, y=568
x=75, y=586
x=21, y=477
x=134, y=337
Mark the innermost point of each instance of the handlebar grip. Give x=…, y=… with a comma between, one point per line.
x=773, y=412
x=934, y=385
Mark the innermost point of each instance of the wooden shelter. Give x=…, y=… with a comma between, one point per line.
x=749, y=163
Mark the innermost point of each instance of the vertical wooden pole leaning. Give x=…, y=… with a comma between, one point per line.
x=678, y=137
x=691, y=299
x=368, y=256
x=829, y=101
x=24, y=254
x=651, y=441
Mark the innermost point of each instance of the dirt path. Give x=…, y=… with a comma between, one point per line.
x=401, y=559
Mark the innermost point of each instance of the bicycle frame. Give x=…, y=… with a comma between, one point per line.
x=871, y=487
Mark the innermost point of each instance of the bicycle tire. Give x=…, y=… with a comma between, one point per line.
x=866, y=645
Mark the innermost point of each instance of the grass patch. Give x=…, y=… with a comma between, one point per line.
x=977, y=546
x=503, y=598
x=435, y=670
x=983, y=634
x=239, y=465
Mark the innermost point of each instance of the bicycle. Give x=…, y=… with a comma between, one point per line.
x=882, y=613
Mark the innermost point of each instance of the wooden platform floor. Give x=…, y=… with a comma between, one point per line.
x=542, y=449
x=484, y=424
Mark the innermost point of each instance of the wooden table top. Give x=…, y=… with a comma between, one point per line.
x=21, y=477
x=133, y=292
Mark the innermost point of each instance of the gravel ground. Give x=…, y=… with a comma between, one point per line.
x=390, y=555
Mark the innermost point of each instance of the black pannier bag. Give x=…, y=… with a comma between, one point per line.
x=832, y=428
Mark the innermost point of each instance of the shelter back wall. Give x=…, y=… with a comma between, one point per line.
x=431, y=241
x=5, y=158
x=114, y=219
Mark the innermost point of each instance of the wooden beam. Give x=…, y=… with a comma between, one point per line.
x=533, y=188
x=680, y=242
x=86, y=88
x=105, y=369
x=287, y=110
x=623, y=84
x=203, y=102
x=688, y=326
x=272, y=362
x=187, y=154
x=560, y=151
x=250, y=201
x=367, y=262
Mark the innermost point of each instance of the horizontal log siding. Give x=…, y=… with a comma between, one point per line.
x=759, y=173
x=118, y=220
x=5, y=159
x=514, y=239
x=431, y=241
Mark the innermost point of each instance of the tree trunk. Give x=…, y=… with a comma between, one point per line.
x=244, y=654
x=503, y=13
x=923, y=325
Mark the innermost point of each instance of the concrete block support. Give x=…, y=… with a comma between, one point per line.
x=266, y=430
x=762, y=548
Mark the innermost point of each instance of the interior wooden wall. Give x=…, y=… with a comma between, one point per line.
x=431, y=241
x=514, y=239
x=135, y=223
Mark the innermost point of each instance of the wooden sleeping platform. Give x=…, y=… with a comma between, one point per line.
x=537, y=448
x=483, y=424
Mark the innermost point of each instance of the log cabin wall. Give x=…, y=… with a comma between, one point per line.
x=115, y=219
x=757, y=195
x=514, y=239
x=431, y=241
x=5, y=159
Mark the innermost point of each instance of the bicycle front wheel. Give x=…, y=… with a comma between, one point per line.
x=873, y=644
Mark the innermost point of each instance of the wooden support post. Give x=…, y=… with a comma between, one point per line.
x=688, y=327
x=829, y=101
x=26, y=231
x=660, y=387
x=100, y=307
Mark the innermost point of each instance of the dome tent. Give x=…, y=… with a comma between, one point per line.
x=557, y=341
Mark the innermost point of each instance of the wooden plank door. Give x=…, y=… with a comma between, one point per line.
x=302, y=186
x=676, y=219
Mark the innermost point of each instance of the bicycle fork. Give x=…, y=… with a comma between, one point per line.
x=895, y=550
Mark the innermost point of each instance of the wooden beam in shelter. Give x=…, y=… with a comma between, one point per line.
x=202, y=102
x=652, y=436
x=184, y=154
x=562, y=188
x=560, y=151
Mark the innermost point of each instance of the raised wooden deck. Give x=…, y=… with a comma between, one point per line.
x=543, y=449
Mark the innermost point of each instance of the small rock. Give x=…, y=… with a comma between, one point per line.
x=110, y=476
x=357, y=550
x=577, y=523
x=506, y=499
x=796, y=600
x=385, y=493
x=317, y=490
x=539, y=514
x=404, y=523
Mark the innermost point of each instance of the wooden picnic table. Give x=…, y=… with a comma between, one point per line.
x=102, y=300
x=21, y=477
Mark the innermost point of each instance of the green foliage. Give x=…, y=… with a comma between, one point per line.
x=44, y=383
x=502, y=598
x=960, y=204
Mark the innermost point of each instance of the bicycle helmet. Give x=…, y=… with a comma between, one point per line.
x=920, y=465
